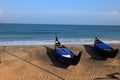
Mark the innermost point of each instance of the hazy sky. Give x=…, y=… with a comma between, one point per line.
x=85, y=12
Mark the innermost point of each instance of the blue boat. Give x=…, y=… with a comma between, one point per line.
x=104, y=50
x=65, y=55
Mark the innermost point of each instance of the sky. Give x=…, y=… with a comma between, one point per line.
x=80, y=12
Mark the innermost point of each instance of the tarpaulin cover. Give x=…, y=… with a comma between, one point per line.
x=64, y=51
x=102, y=45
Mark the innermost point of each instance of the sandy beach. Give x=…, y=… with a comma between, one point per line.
x=40, y=63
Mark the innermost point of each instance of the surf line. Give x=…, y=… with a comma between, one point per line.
x=33, y=64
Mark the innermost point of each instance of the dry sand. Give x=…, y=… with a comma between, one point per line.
x=39, y=63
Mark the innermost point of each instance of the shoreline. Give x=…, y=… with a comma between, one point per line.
x=53, y=44
x=38, y=62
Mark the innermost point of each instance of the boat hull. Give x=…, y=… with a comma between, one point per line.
x=70, y=61
x=106, y=53
x=104, y=49
x=65, y=55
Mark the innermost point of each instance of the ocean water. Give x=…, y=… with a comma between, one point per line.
x=44, y=34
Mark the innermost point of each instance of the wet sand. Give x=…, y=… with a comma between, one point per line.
x=40, y=63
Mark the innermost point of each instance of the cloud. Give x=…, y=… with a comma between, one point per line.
x=71, y=12
x=1, y=12
x=112, y=13
x=108, y=14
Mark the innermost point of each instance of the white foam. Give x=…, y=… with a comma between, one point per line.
x=12, y=43
x=76, y=41
x=51, y=42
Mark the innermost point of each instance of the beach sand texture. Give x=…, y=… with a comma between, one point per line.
x=39, y=63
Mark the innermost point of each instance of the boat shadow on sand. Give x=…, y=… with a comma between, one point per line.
x=94, y=55
x=113, y=76
x=55, y=62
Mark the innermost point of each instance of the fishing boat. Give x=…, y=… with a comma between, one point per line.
x=104, y=49
x=65, y=55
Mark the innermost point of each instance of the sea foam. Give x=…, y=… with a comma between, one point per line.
x=52, y=42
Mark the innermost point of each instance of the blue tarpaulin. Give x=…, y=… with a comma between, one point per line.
x=64, y=52
x=102, y=45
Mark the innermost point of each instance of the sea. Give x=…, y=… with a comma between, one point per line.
x=44, y=34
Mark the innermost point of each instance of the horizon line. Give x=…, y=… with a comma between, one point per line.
x=63, y=24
